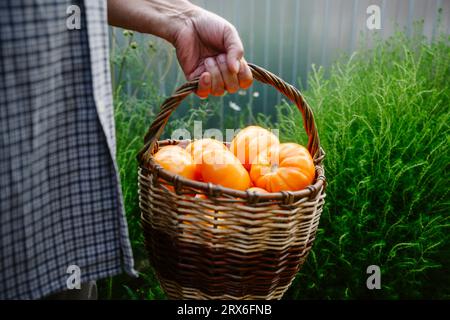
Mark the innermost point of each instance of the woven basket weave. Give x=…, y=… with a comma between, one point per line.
x=232, y=244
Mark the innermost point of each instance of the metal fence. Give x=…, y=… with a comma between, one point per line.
x=288, y=36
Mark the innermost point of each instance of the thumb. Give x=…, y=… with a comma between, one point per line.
x=235, y=49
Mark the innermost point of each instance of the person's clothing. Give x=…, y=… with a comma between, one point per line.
x=60, y=197
x=87, y=291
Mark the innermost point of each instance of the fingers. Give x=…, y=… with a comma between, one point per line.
x=204, y=85
x=217, y=85
x=218, y=77
x=229, y=78
x=245, y=75
x=234, y=48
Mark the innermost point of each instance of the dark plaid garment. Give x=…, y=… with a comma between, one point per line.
x=60, y=198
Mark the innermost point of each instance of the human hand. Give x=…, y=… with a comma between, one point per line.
x=209, y=46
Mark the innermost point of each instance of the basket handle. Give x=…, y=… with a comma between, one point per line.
x=260, y=74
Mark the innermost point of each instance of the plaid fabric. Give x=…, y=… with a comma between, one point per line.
x=60, y=198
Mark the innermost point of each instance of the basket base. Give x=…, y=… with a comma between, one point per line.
x=192, y=271
x=176, y=292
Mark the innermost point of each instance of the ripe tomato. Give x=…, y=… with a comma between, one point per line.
x=177, y=160
x=220, y=166
x=257, y=190
x=197, y=148
x=287, y=166
x=251, y=141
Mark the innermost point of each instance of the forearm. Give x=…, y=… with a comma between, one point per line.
x=162, y=18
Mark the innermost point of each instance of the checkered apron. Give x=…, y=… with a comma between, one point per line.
x=60, y=198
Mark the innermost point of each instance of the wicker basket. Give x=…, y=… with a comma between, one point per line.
x=232, y=244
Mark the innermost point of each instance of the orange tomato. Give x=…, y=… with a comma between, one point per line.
x=197, y=148
x=261, y=190
x=220, y=166
x=287, y=166
x=176, y=160
x=251, y=141
x=257, y=189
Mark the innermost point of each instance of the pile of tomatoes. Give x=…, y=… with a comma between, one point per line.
x=255, y=160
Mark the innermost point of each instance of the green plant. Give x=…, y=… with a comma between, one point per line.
x=383, y=118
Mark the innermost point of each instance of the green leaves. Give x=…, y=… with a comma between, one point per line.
x=383, y=119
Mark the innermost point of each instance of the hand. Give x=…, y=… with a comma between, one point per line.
x=209, y=46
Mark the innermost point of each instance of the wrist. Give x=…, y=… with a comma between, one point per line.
x=173, y=16
x=176, y=22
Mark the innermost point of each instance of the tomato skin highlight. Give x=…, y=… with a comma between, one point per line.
x=220, y=166
x=250, y=141
x=257, y=190
x=284, y=167
x=197, y=148
x=176, y=160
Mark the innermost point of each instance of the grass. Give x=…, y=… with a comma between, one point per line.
x=383, y=118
